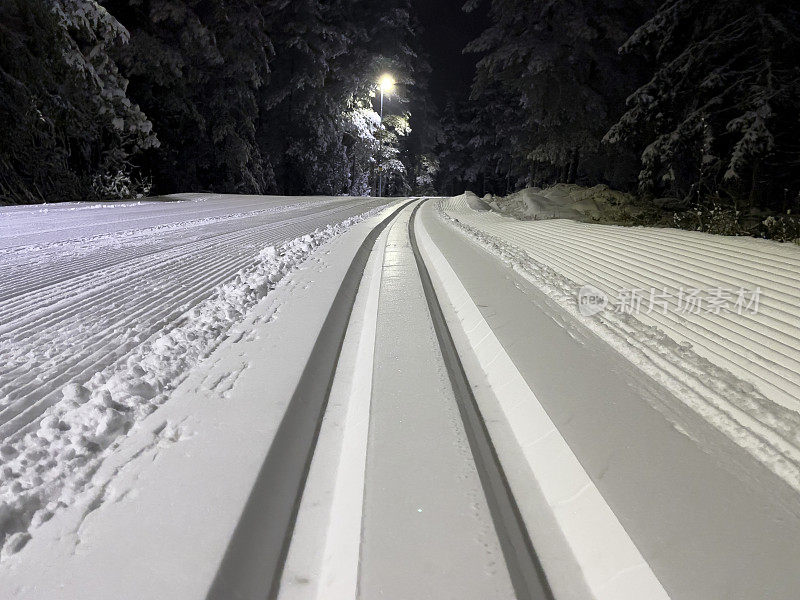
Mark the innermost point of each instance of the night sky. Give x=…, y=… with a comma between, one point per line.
x=446, y=30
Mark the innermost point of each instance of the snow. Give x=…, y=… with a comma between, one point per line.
x=159, y=514
x=323, y=558
x=591, y=541
x=155, y=345
x=741, y=372
x=424, y=503
x=531, y=203
x=99, y=330
x=706, y=515
x=561, y=201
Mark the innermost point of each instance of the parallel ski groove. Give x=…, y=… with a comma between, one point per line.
x=524, y=567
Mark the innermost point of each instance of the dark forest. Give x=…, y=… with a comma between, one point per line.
x=685, y=102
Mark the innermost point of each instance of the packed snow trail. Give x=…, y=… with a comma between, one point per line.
x=423, y=499
x=739, y=371
x=101, y=328
x=255, y=555
x=329, y=437
x=711, y=521
x=426, y=499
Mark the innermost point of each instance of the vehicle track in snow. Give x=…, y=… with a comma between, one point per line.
x=73, y=307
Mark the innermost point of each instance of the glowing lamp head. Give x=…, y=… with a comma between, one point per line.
x=386, y=83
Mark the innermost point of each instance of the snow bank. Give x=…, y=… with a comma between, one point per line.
x=46, y=469
x=741, y=372
x=561, y=201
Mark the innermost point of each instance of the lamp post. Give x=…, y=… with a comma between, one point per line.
x=386, y=84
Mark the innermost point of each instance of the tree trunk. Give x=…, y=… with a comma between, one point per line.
x=572, y=174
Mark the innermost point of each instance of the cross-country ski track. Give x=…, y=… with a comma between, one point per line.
x=214, y=397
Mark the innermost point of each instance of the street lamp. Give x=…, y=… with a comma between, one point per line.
x=386, y=85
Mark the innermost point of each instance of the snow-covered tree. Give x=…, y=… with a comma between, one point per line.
x=196, y=67
x=361, y=140
x=328, y=56
x=69, y=129
x=396, y=127
x=552, y=70
x=452, y=149
x=245, y=95
x=417, y=148
x=719, y=117
x=426, y=171
x=302, y=117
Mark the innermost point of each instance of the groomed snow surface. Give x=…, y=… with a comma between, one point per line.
x=736, y=366
x=107, y=307
x=109, y=310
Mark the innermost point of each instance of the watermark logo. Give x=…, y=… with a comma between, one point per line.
x=591, y=301
x=690, y=300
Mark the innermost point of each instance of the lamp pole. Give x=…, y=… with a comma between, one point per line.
x=386, y=83
x=380, y=152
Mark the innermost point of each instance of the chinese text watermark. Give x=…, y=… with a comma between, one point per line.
x=682, y=300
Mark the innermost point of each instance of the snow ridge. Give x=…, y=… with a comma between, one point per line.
x=768, y=429
x=49, y=467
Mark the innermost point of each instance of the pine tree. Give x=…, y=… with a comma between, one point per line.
x=303, y=110
x=69, y=128
x=196, y=67
x=553, y=67
x=328, y=56
x=361, y=142
x=396, y=127
x=452, y=149
x=719, y=115
x=497, y=142
x=245, y=95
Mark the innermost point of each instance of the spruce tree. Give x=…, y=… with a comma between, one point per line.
x=69, y=128
x=196, y=67
x=554, y=69
x=719, y=116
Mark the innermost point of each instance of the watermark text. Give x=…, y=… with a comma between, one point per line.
x=681, y=300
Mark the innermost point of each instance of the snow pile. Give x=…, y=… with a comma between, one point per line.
x=48, y=467
x=741, y=372
x=561, y=201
